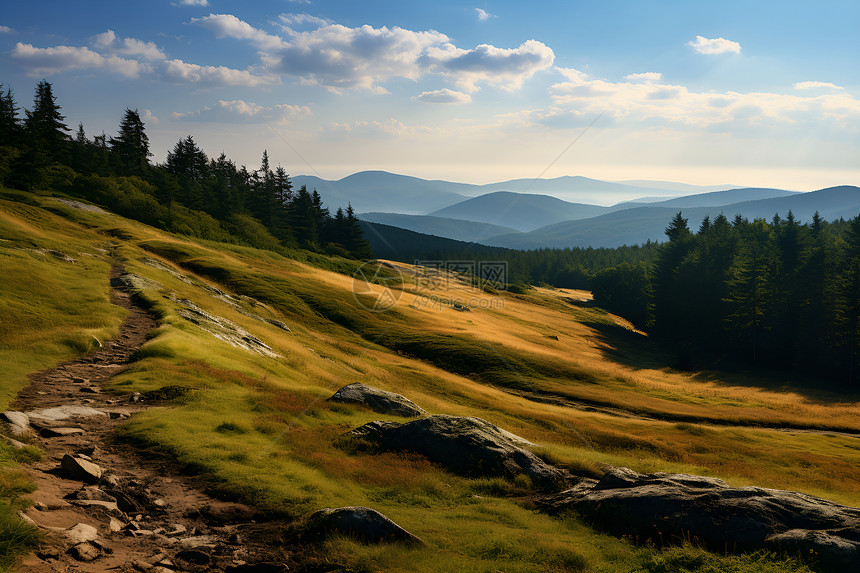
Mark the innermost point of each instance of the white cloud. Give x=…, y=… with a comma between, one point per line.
x=813, y=85
x=40, y=61
x=289, y=21
x=108, y=41
x=715, y=46
x=339, y=57
x=647, y=77
x=6, y=30
x=241, y=111
x=675, y=106
x=147, y=117
x=227, y=25
x=483, y=15
x=506, y=68
x=444, y=96
x=194, y=2
x=177, y=71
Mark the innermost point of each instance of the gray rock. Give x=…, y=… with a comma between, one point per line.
x=464, y=445
x=65, y=412
x=380, y=401
x=82, y=533
x=361, y=523
x=93, y=493
x=55, y=432
x=667, y=508
x=85, y=552
x=78, y=468
x=19, y=423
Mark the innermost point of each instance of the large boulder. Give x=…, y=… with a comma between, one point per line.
x=380, y=401
x=360, y=523
x=666, y=508
x=463, y=445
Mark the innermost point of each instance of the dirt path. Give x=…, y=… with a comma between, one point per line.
x=141, y=514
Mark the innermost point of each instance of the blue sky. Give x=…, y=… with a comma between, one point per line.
x=754, y=93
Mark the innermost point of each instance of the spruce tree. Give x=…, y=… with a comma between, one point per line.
x=10, y=124
x=44, y=124
x=131, y=145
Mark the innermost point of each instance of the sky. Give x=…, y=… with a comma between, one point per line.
x=757, y=93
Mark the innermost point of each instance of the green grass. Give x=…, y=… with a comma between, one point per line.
x=261, y=431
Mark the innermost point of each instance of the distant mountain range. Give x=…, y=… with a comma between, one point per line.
x=380, y=191
x=502, y=215
x=642, y=223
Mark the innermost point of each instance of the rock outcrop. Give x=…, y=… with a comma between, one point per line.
x=380, y=401
x=666, y=508
x=360, y=523
x=463, y=445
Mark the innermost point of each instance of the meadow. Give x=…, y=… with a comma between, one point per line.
x=545, y=364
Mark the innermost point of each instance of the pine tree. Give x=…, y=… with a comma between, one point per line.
x=10, y=124
x=44, y=124
x=356, y=244
x=131, y=145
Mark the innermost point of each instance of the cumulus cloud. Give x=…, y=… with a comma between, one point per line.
x=227, y=25
x=147, y=117
x=41, y=61
x=109, y=42
x=503, y=67
x=288, y=22
x=647, y=77
x=177, y=71
x=193, y=2
x=444, y=96
x=241, y=111
x=339, y=57
x=6, y=30
x=715, y=46
x=656, y=104
x=813, y=85
x=483, y=15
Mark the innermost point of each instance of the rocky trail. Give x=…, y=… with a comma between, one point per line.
x=101, y=504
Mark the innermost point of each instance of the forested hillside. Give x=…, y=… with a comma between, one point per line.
x=190, y=193
x=780, y=294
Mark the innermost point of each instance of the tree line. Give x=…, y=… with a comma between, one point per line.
x=259, y=207
x=779, y=294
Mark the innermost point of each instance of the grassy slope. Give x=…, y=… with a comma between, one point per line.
x=261, y=428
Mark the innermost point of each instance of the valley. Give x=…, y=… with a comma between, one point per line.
x=250, y=344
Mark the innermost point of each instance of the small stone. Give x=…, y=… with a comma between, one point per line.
x=142, y=565
x=48, y=432
x=116, y=525
x=49, y=552
x=80, y=381
x=159, y=503
x=177, y=529
x=136, y=397
x=91, y=390
x=82, y=533
x=85, y=552
x=80, y=469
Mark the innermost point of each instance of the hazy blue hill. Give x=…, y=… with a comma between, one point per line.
x=678, y=188
x=395, y=243
x=523, y=212
x=575, y=188
x=639, y=224
x=440, y=226
x=382, y=191
x=726, y=197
